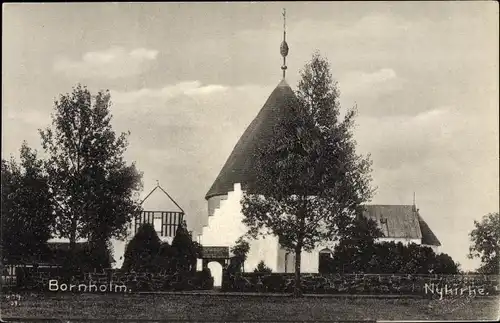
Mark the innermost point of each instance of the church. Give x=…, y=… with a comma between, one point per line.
x=399, y=223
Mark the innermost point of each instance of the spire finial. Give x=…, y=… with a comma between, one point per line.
x=157, y=183
x=414, y=202
x=284, y=45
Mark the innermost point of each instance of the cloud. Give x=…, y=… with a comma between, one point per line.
x=182, y=134
x=115, y=62
x=28, y=116
x=440, y=150
x=366, y=83
x=166, y=93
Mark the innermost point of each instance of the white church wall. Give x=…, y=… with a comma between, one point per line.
x=404, y=241
x=225, y=226
x=263, y=249
x=309, y=261
x=434, y=248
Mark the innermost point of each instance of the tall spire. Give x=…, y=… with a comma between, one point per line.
x=284, y=45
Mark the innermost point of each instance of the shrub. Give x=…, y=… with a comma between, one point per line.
x=262, y=268
x=142, y=250
x=185, y=252
x=388, y=258
x=87, y=257
x=274, y=283
x=163, y=261
x=203, y=279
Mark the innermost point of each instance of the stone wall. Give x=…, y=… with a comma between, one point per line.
x=116, y=281
x=430, y=285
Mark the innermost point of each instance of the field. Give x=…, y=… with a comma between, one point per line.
x=219, y=307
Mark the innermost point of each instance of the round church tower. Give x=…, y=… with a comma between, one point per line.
x=240, y=165
x=238, y=175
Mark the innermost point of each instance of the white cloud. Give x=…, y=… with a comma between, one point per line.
x=363, y=83
x=168, y=92
x=29, y=116
x=112, y=63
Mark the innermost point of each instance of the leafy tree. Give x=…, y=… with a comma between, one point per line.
x=185, y=250
x=311, y=180
x=27, y=214
x=357, y=245
x=446, y=265
x=142, y=250
x=95, y=191
x=87, y=258
x=262, y=268
x=486, y=243
x=240, y=251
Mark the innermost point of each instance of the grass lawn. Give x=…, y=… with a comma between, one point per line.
x=213, y=307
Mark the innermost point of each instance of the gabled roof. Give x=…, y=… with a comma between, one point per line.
x=428, y=237
x=158, y=187
x=239, y=167
x=401, y=221
x=395, y=221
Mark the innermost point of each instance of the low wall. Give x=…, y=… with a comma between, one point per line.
x=431, y=285
x=369, y=284
x=114, y=280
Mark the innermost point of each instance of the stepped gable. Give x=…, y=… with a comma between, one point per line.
x=239, y=167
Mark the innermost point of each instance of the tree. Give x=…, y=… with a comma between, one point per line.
x=163, y=260
x=312, y=183
x=27, y=214
x=95, y=191
x=185, y=250
x=446, y=265
x=142, y=250
x=356, y=246
x=486, y=243
x=240, y=251
x=262, y=268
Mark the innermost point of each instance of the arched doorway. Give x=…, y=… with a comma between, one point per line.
x=216, y=259
x=324, y=261
x=216, y=271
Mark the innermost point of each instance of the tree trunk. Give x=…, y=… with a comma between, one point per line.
x=297, y=292
x=72, y=236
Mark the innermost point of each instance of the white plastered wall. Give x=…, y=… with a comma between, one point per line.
x=225, y=226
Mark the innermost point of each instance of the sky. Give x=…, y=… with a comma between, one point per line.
x=187, y=78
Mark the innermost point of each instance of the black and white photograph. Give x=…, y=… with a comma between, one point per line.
x=250, y=161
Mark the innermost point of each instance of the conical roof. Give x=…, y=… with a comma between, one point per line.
x=240, y=166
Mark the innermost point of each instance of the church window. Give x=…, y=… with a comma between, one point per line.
x=383, y=226
x=157, y=222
